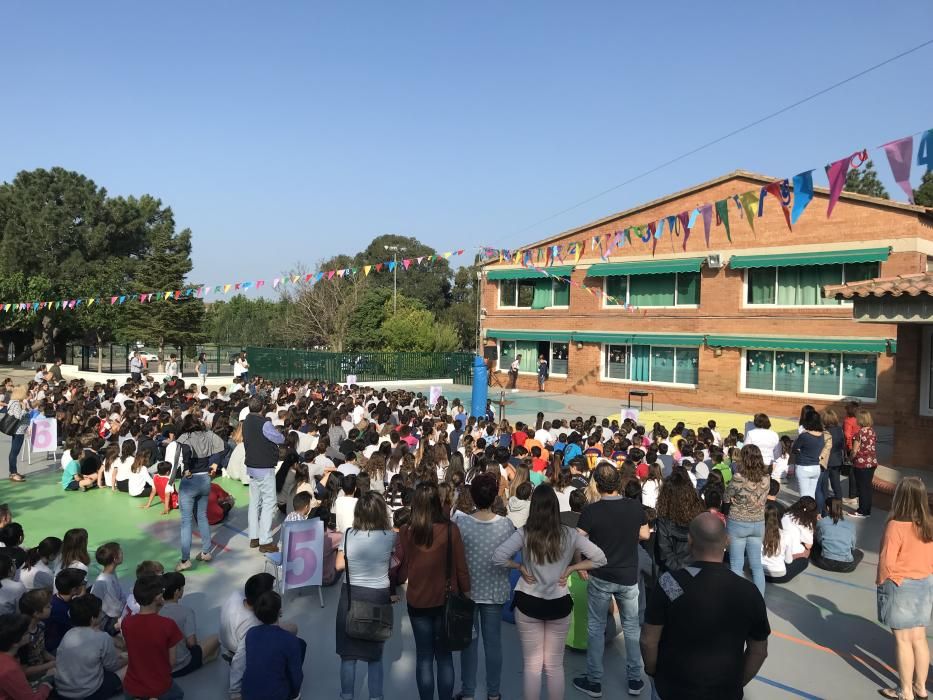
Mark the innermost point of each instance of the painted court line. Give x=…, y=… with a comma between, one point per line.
x=787, y=688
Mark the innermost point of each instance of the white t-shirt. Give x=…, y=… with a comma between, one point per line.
x=343, y=510
x=649, y=493
x=235, y=621
x=138, y=481
x=766, y=440
x=123, y=468
x=10, y=593
x=543, y=436
x=777, y=565
x=802, y=536
x=563, y=498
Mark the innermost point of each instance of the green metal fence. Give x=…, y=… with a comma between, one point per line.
x=282, y=363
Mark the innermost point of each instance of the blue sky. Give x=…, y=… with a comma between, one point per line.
x=291, y=131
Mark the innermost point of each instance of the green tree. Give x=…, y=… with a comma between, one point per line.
x=923, y=195
x=242, y=321
x=429, y=283
x=463, y=311
x=364, y=331
x=864, y=180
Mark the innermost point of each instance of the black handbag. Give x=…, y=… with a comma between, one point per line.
x=9, y=424
x=370, y=622
x=457, y=631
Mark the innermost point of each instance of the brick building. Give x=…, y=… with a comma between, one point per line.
x=742, y=325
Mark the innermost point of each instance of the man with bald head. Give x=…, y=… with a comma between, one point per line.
x=706, y=629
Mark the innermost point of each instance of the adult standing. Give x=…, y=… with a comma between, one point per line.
x=680, y=653
x=55, y=371
x=764, y=438
x=615, y=525
x=542, y=599
x=202, y=368
x=905, y=585
x=849, y=429
x=241, y=368
x=483, y=532
x=513, y=372
x=864, y=460
x=136, y=367
x=836, y=454
x=543, y=372
x=171, y=369
x=206, y=450
x=18, y=407
x=678, y=504
x=424, y=557
x=806, y=451
x=261, y=443
x=747, y=493
x=367, y=546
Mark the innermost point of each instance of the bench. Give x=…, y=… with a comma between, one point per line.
x=641, y=394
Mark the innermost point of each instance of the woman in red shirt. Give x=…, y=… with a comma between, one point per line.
x=849, y=429
x=905, y=585
x=864, y=461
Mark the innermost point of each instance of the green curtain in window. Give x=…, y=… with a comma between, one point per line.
x=506, y=292
x=617, y=361
x=651, y=290
x=662, y=364
x=528, y=349
x=615, y=287
x=687, y=366
x=688, y=288
x=761, y=286
x=542, y=295
x=859, y=375
x=641, y=359
x=526, y=294
x=561, y=293
x=823, y=370
x=759, y=370
x=857, y=272
x=790, y=371
x=803, y=286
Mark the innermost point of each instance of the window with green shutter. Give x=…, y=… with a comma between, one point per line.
x=802, y=285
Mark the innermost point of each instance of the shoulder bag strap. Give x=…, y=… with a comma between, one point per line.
x=346, y=562
x=449, y=556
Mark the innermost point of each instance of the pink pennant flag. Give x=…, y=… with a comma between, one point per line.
x=406, y=262
x=113, y=300
x=836, y=172
x=330, y=274
x=900, y=155
x=459, y=252
x=259, y=283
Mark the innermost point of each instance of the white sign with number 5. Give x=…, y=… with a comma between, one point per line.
x=44, y=436
x=303, y=542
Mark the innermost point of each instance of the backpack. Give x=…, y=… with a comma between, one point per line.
x=183, y=462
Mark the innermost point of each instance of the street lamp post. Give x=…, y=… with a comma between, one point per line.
x=395, y=251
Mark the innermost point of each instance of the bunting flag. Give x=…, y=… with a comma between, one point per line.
x=837, y=172
x=684, y=218
x=749, y=202
x=803, y=193
x=925, y=152
x=900, y=154
x=707, y=211
x=781, y=192
x=722, y=216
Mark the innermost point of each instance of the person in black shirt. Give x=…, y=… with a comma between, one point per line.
x=706, y=629
x=614, y=524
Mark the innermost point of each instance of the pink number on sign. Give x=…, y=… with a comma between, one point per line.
x=42, y=436
x=301, y=558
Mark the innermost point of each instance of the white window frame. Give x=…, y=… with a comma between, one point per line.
x=500, y=305
x=551, y=344
x=747, y=305
x=607, y=305
x=743, y=372
x=603, y=366
x=550, y=358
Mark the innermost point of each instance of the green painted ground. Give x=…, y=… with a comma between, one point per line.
x=44, y=509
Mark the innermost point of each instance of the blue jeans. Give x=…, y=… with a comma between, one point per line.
x=262, y=504
x=348, y=679
x=426, y=629
x=822, y=490
x=745, y=539
x=192, y=502
x=16, y=444
x=599, y=598
x=488, y=619
x=807, y=477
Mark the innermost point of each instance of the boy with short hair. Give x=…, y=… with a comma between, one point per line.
x=301, y=507
x=107, y=587
x=70, y=583
x=274, y=657
x=71, y=476
x=34, y=657
x=150, y=645
x=87, y=661
x=189, y=655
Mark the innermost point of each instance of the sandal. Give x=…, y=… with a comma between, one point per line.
x=896, y=694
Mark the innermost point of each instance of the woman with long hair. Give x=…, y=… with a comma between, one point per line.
x=807, y=450
x=677, y=505
x=905, y=585
x=836, y=458
x=800, y=519
x=424, y=557
x=777, y=549
x=834, y=549
x=18, y=407
x=864, y=460
x=542, y=599
x=367, y=546
x=236, y=464
x=747, y=493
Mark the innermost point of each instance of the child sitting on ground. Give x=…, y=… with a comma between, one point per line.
x=72, y=480
x=36, y=661
x=150, y=644
x=70, y=584
x=301, y=507
x=163, y=490
x=37, y=570
x=144, y=568
x=13, y=684
x=107, y=587
x=219, y=504
x=87, y=662
x=189, y=654
x=11, y=590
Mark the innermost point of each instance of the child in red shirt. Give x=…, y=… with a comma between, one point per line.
x=150, y=645
x=163, y=490
x=219, y=503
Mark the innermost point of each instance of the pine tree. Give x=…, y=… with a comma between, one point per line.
x=923, y=195
x=864, y=180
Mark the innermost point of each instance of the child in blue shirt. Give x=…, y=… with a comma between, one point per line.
x=72, y=480
x=274, y=657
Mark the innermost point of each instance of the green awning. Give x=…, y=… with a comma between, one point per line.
x=554, y=336
x=527, y=273
x=878, y=345
x=645, y=267
x=827, y=257
x=689, y=340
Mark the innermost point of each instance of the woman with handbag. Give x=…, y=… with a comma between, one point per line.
x=431, y=544
x=15, y=423
x=542, y=599
x=364, y=613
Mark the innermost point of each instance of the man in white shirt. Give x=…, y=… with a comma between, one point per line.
x=543, y=434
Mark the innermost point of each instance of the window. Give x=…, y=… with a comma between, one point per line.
x=648, y=363
x=802, y=285
x=670, y=289
x=557, y=355
x=533, y=293
x=819, y=373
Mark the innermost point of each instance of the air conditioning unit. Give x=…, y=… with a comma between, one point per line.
x=714, y=261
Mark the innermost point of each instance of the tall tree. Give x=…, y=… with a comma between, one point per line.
x=923, y=195
x=430, y=283
x=365, y=328
x=463, y=311
x=242, y=321
x=864, y=180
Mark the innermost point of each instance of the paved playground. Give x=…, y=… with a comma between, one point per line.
x=826, y=642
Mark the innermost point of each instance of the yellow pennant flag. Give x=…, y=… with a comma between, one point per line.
x=167, y=296
x=366, y=269
x=447, y=255
x=577, y=252
x=749, y=202
x=227, y=288
x=90, y=301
